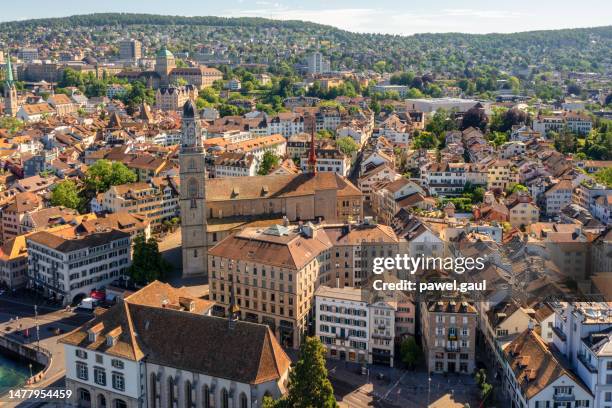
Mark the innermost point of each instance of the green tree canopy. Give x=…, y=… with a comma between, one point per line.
x=410, y=351
x=347, y=145
x=309, y=386
x=604, y=176
x=147, y=264
x=104, y=173
x=66, y=194
x=268, y=162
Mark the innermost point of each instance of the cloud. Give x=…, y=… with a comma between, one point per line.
x=387, y=21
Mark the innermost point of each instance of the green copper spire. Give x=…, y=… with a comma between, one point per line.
x=9, y=69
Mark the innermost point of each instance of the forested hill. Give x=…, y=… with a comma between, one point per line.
x=260, y=39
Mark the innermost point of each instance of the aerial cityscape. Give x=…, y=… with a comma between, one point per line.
x=275, y=205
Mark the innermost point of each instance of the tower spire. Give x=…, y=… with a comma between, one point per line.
x=234, y=309
x=9, y=69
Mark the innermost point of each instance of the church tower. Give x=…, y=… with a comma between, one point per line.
x=9, y=90
x=192, y=193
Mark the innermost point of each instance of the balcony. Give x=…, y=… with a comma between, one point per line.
x=452, y=349
x=586, y=363
x=557, y=331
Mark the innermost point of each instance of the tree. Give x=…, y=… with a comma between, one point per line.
x=11, y=124
x=424, y=140
x=474, y=117
x=148, y=264
x=268, y=162
x=410, y=352
x=516, y=188
x=66, y=194
x=604, y=176
x=347, y=145
x=309, y=386
x=104, y=173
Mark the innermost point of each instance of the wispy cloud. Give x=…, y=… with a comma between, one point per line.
x=389, y=21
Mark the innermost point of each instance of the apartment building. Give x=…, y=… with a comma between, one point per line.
x=386, y=197
x=357, y=329
x=536, y=377
x=383, y=173
x=157, y=200
x=354, y=248
x=449, y=336
x=581, y=333
x=558, y=196
x=317, y=63
x=66, y=265
x=286, y=124
x=130, y=50
x=14, y=263
x=522, y=211
x=13, y=214
x=500, y=174
x=273, y=273
x=329, y=159
x=233, y=165
x=343, y=323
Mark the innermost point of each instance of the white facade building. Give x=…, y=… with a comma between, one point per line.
x=66, y=268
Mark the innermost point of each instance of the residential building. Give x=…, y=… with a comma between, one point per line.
x=66, y=266
x=317, y=63
x=14, y=263
x=329, y=159
x=558, y=196
x=274, y=273
x=449, y=336
x=536, y=377
x=158, y=200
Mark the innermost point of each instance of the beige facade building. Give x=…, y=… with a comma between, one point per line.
x=276, y=270
x=449, y=336
x=173, y=98
x=274, y=273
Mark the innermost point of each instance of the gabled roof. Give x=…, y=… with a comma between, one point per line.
x=534, y=365
x=187, y=340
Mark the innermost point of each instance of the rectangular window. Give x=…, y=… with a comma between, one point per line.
x=81, y=371
x=117, y=364
x=80, y=353
x=118, y=382
x=99, y=376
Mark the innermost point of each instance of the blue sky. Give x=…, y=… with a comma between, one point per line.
x=382, y=16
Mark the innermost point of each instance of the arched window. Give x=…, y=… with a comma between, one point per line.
x=192, y=165
x=101, y=401
x=224, y=398
x=153, y=387
x=188, y=399
x=170, y=392
x=243, y=400
x=119, y=403
x=205, y=396
x=84, y=397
